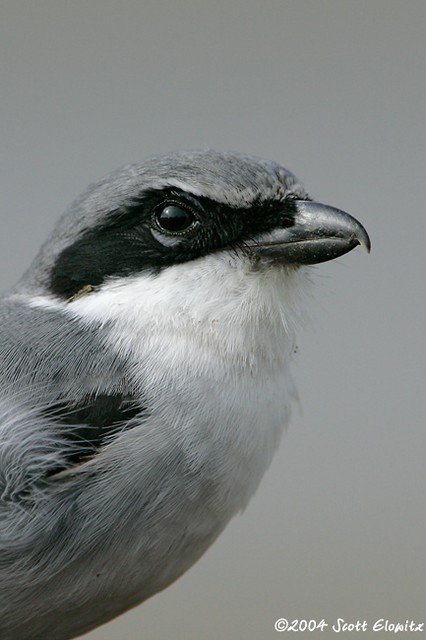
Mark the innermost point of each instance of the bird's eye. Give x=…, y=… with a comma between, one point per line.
x=174, y=218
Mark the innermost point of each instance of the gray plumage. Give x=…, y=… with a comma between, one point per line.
x=195, y=331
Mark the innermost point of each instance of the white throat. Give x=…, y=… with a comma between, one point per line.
x=247, y=316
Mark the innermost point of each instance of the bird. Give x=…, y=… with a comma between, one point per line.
x=145, y=378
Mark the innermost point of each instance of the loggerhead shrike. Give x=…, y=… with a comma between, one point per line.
x=145, y=379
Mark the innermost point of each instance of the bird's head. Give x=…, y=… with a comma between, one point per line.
x=184, y=206
x=186, y=222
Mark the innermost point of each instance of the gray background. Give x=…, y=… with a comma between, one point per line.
x=335, y=90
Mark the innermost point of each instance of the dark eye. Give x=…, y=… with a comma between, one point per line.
x=174, y=218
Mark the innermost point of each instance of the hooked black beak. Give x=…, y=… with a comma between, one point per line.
x=319, y=233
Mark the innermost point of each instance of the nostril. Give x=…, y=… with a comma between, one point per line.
x=288, y=209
